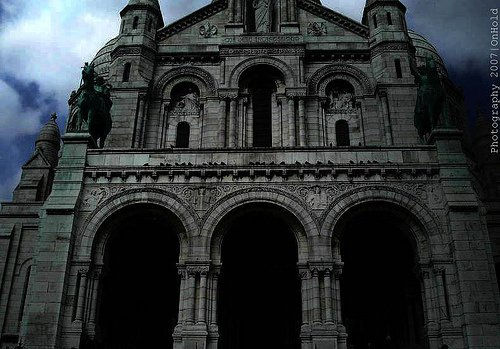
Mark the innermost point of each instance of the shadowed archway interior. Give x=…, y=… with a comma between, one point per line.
x=140, y=287
x=380, y=291
x=259, y=293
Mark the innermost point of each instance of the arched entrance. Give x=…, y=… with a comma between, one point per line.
x=139, y=293
x=259, y=290
x=380, y=290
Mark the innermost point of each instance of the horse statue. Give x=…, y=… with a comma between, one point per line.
x=94, y=105
x=431, y=98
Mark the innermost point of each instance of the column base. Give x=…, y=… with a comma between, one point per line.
x=191, y=336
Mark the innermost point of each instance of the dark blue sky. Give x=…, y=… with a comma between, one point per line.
x=458, y=28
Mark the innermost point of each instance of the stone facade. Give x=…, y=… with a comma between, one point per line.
x=292, y=109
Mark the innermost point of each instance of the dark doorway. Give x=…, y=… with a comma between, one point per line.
x=182, y=139
x=380, y=291
x=259, y=294
x=261, y=83
x=342, y=133
x=140, y=290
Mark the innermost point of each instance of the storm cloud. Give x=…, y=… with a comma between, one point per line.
x=43, y=44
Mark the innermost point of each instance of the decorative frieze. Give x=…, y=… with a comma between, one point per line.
x=262, y=51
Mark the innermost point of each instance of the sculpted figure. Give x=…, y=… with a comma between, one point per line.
x=430, y=97
x=262, y=15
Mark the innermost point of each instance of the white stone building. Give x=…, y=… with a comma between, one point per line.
x=263, y=186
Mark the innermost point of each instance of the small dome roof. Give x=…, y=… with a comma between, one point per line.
x=50, y=132
x=425, y=49
x=49, y=140
x=102, y=60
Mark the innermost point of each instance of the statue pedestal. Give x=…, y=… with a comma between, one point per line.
x=289, y=28
x=235, y=28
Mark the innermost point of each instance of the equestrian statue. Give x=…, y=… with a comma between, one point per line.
x=94, y=106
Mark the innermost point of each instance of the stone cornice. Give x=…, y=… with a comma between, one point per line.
x=192, y=19
x=334, y=17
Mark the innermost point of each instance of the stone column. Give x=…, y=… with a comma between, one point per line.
x=250, y=122
x=140, y=122
x=293, y=11
x=302, y=123
x=387, y=118
x=440, y=275
x=94, y=301
x=291, y=121
x=202, y=298
x=361, y=123
x=324, y=123
x=231, y=10
x=232, y=122
x=238, y=11
x=80, y=307
x=190, y=294
x=215, y=283
x=327, y=284
x=283, y=12
x=182, y=295
x=338, y=302
x=305, y=276
x=316, y=297
x=222, y=122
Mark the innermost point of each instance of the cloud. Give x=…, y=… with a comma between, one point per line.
x=14, y=119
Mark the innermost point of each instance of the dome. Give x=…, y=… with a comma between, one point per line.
x=425, y=49
x=153, y=3
x=49, y=140
x=102, y=59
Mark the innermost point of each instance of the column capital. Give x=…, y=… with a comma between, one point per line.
x=229, y=93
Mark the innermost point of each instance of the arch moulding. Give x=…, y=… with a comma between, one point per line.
x=303, y=234
x=189, y=74
x=86, y=249
x=423, y=217
x=319, y=80
x=288, y=74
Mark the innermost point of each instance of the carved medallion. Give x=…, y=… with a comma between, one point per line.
x=208, y=30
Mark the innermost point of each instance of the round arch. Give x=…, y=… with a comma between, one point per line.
x=91, y=242
x=423, y=224
x=288, y=74
x=201, y=78
x=356, y=77
x=304, y=227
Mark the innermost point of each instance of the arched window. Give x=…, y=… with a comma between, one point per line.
x=399, y=72
x=136, y=22
x=389, y=18
x=342, y=132
x=150, y=24
x=375, y=24
x=126, y=72
x=182, y=139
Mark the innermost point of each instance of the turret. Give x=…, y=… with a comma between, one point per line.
x=387, y=22
x=49, y=141
x=141, y=17
x=38, y=172
x=135, y=48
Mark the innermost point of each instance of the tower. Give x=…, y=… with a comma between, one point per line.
x=132, y=66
